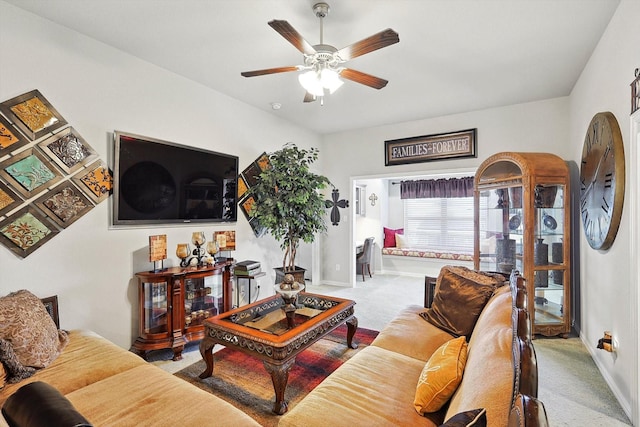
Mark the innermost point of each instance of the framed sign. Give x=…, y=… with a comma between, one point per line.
x=419, y=149
x=226, y=240
x=157, y=247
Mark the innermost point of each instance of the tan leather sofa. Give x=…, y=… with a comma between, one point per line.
x=377, y=386
x=111, y=386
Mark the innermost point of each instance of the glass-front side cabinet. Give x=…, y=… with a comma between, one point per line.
x=522, y=205
x=173, y=304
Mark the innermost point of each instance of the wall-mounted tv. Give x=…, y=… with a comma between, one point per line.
x=158, y=182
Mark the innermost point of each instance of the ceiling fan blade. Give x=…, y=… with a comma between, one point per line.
x=288, y=32
x=377, y=41
x=363, y=78
x=268, y=71
x=309, y=97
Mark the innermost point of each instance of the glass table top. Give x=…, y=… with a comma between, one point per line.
x=269, y=316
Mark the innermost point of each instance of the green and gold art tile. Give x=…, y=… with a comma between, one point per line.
x=25, y=231
x=30, y=172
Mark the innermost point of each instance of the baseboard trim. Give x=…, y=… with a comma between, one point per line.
x=620, y=396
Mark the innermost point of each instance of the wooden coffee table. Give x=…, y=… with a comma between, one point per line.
x=261, y=330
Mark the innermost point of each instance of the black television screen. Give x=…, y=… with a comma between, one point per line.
x=158, y=182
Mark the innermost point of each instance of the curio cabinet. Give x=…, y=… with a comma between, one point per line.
x=522, y=214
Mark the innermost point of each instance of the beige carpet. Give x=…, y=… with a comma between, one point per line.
x=570, y=385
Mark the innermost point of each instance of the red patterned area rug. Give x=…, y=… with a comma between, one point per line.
x=242, y=380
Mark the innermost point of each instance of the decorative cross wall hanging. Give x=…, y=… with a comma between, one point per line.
x=334, y=205
x=373, y=199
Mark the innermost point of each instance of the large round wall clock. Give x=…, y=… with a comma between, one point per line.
x=602, y=181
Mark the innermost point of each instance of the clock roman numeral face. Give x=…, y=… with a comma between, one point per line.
x=598, y=182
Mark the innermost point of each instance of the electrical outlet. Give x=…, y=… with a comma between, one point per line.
x=337, y=267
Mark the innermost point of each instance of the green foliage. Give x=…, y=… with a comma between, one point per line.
x=288, y=204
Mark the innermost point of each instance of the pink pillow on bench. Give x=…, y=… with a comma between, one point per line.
x=390, y=237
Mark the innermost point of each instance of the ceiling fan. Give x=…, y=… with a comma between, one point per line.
x=323, y=63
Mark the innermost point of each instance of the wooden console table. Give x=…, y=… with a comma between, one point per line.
x=174, y=302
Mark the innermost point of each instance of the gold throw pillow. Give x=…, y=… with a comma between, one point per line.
x=441, y=376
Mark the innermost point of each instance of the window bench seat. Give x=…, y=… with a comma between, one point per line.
x=421, y=262
x=425, y=253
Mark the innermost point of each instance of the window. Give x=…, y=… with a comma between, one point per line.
x=439, y=224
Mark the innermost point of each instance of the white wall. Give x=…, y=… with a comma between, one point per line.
x=98, y=90
x=539, y=126
x=370, y=224
x=605, y=290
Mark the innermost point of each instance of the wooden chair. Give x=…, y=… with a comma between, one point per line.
x=364, y=258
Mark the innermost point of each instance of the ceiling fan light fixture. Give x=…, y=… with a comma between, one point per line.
x=315, y=82
x=330, y=80
x=311, y=83
x=322, y=70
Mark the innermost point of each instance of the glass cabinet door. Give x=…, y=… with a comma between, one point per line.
x=202, y=298
x=548, y=253
x=500, y=229
x=155, y=319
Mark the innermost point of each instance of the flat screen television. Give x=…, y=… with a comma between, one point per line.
x=158, y=182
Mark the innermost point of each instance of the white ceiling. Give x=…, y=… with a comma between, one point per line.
x=453, y=56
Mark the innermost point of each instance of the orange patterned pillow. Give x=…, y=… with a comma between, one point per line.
x=441, y=376
x=26, y=324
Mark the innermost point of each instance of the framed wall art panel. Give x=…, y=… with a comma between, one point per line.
x=10, y=138
x=25, y=231
x=64, y=204
x=68, y=150
x=263, y=161
x=242, y=187
x=96, y=181
x=32, y=114
x=9, y=200
x=29, y=172
x=246, y=205
x=251, y=174
x=258, y=229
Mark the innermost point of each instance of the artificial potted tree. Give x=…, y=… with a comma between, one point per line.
x=288, y=204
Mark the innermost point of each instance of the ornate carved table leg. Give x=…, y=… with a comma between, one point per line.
x=279, y=377
x=206, y=347
x=352, y=325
